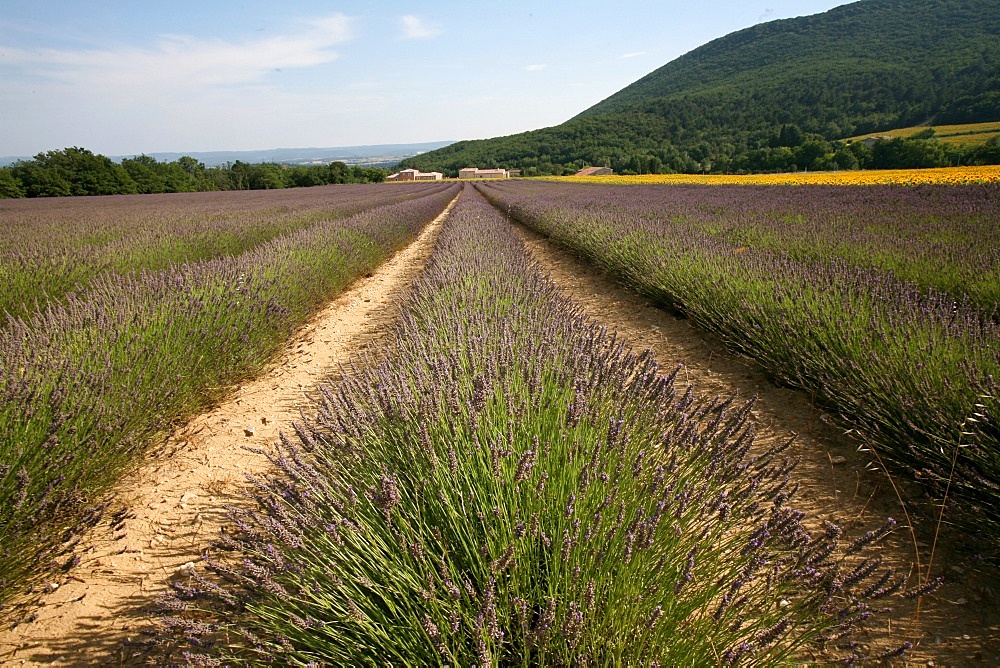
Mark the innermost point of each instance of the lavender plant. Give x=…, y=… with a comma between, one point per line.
x=904, y=365
x=87, y=385
x=511, y=485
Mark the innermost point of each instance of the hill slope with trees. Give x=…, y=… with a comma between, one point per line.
x=780, y=96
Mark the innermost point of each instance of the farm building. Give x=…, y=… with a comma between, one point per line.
x=475, y=173
x=415, y=175
x=595, y=171
x=871, y=141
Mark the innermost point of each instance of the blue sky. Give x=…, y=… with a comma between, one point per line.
x=126, y=77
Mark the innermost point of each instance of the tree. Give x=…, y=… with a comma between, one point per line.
x=813, y=154
x=987, y=154
x=239, y=175
x=176, y=179
x=9, y=186
x=199, y=177
x=303, y=176
x=909, y=154
x=790, y=135
x=861, y=151
x=72, y=171
x=190, y=165
x=147, y=174
x=266, y=176
x=339, y=172
x=375, y=174
x=844, y=158
x=38, y=180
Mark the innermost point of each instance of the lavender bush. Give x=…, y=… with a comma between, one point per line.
x=905, y=365
x=86, y=385
x=510, y=485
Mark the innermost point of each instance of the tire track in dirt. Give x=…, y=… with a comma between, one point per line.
x=958, y=625
x=176, y=503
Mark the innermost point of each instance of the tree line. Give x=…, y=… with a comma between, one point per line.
x=788, y=149
x=78, y=171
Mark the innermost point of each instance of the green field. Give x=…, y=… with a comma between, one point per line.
x=968, y=135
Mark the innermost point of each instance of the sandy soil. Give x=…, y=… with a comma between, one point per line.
x=960, y=624
x=170, y=510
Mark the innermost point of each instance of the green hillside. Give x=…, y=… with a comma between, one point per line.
x=775, y=96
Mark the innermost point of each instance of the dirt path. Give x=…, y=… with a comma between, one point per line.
x=175, y=505
x=959, y=625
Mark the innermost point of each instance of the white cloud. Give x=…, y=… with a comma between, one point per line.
x=415, y=27
x=177, y=90
x=633, y=54
x=536, y=68
x=179, y=63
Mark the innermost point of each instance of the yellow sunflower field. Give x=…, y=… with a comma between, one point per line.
x=909, y=177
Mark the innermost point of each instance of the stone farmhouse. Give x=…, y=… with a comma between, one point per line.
x=474, y=173
x=414, y=175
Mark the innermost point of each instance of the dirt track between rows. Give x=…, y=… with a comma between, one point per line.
x=176, y=503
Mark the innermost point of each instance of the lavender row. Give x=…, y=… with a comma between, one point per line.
x=914, y=371
x=49, y=247
x=510, y=485
x=87, y=384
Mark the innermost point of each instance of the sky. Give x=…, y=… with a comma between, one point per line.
x=125, y=77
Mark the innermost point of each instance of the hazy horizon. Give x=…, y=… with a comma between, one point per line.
x=288, y=154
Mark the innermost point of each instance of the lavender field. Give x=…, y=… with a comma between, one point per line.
x=90, y=380
x=508, y=484
x=504, y=482
x=881, y=302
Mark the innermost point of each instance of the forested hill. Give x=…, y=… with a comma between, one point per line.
x=752, y=99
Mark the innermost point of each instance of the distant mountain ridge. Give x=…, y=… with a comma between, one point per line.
x=369, y=155
x=862, y=67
